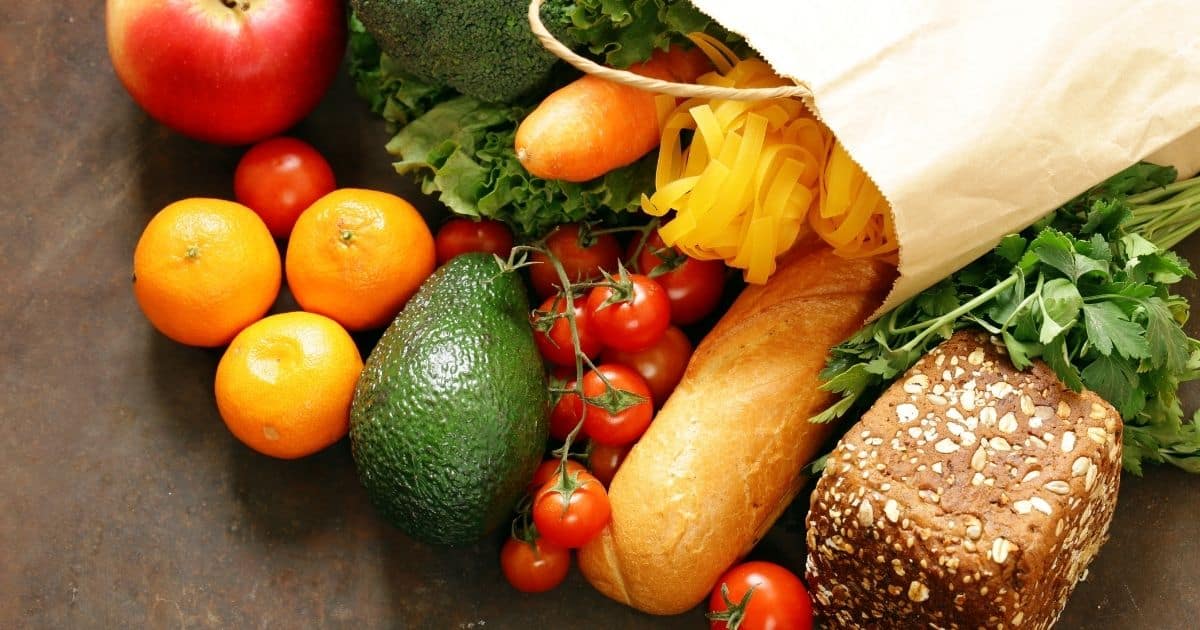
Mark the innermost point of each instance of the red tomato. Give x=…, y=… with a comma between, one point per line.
x=694, y=287
x=662, y=365
x=534, y=567
x=632, y=324
x=580, y=263
x=779, y=601
x=460, y=236
x=613, y=426
x=565, y=415
x=572, y=513
x=556, y=344
x=562, y=373
x=280, y=178
x=604, y=461
x=545, y=472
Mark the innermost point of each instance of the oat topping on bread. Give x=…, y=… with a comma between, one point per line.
x=971, y=495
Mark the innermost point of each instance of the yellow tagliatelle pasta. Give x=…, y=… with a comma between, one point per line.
x=853, y=216
x=743, y=189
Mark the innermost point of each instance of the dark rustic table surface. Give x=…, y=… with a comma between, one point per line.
x=124, y=501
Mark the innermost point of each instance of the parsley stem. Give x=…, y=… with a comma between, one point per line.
x=1162, y=191
x=1020, y=307
x=983, y=298
x=1168, y=221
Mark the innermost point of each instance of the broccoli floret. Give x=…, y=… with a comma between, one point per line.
x=481, y=48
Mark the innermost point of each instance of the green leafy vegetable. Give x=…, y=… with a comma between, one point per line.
x=482, y=48
x=392, y=93
x=624, y=32
x=461, y=148
x=1087, y=290
x=462, y=151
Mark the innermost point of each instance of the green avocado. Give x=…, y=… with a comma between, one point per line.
x=449, y=420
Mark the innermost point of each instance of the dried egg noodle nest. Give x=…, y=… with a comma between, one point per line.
x=743, y=190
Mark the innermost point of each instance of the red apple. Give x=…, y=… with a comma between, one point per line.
x=226, y=71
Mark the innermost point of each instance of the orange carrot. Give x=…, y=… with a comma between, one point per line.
x=593, y=125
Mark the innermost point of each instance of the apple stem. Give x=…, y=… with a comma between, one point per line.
x=235, y=5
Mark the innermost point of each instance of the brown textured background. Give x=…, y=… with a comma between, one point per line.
x=124, y=502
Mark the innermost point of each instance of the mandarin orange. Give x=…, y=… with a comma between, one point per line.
x=357, y=256
x=285, y=384
x=204, y=269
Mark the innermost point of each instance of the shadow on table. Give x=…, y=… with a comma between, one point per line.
x=281, y=500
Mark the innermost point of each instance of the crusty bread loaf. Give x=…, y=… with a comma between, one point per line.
x=723, y=457
x=970, y=495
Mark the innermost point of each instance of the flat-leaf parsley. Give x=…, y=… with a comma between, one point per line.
x=1087, y=290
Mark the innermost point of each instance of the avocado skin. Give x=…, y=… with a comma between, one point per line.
x=449, y=418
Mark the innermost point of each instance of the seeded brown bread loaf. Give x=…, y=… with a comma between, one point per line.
x=723, y=457
x=970, y=495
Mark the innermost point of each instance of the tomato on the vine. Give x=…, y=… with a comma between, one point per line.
x=779, y=599
x=562, y=373
x=460, y=236
x=534, y=567
x=581, y=263
x=280, y=178
x=546, y=470
x=662, y=365
x=693, y=286
x=604, y=460
x=554, y=341
x=617, y=412
x=631, y=314
x=571, y=509
x=565, y=415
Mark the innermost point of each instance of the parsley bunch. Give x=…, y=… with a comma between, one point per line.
x=1087, y=290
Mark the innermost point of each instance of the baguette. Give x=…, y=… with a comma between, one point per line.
x=723, y=458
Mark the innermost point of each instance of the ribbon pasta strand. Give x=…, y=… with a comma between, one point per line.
x=747, y=179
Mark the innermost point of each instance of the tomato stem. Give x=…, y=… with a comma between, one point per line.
x=671, y=260
x=646, y=231
x=620, y=288
x=612, y=399
x=521, y=527
x=734, y=614
x=566, y=292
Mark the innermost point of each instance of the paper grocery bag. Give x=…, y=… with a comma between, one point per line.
x=976, y=118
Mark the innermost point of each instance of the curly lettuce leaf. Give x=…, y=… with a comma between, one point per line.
x=462, y=152
x=624, y=32
x=461, y=149
x=389, y=91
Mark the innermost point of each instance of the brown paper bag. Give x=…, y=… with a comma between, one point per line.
x=977, y=118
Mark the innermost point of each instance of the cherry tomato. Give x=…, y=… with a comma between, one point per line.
x=572, y=513
x=694, y=287
x=604, y=461
x=633, y=324
x=662, y=365
x=460, y=236
x=580, y=263
x=616, y=426
x=567, y=411
x=562, y=373
x=280, y=178
x=545, y=472
x=779, y=600
x=534, y=567
x=555, y=344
